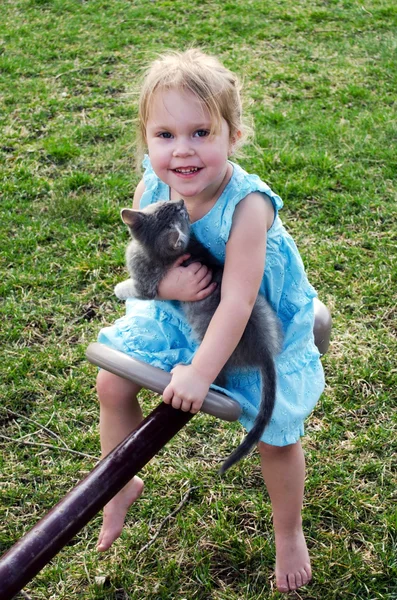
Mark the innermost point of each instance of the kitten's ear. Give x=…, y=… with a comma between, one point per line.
x=180, y=203
x=131, y=217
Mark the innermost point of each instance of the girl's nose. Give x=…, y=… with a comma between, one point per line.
x=183, y=149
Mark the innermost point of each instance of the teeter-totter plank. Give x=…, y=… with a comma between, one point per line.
x=34, y=550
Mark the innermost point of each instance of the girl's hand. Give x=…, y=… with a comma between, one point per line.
x=186, y=284
x=187, y=389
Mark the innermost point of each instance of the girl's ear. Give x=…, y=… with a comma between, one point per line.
x=233, y=141
x=131, y=217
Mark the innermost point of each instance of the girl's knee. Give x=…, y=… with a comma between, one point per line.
x=269, y=451
x=115, y=391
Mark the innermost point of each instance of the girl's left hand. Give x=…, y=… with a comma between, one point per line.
x=187, y=389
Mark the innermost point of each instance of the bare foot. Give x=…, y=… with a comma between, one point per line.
x=114, y=513
x=292, y=562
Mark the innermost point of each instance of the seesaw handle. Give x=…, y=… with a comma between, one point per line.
x=155, y=379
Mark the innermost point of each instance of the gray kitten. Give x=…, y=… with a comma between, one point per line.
x=161, y=234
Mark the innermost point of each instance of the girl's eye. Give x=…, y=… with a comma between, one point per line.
x=201, y=133
x=165, y=135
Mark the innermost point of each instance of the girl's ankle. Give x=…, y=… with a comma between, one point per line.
x=288, y=529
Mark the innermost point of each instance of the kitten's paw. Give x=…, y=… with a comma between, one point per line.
x=125, y=289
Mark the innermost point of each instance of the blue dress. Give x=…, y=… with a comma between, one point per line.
x=157, y=332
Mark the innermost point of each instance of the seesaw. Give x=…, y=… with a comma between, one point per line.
x=35, y=549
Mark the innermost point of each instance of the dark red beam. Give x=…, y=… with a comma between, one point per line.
x=34, y=550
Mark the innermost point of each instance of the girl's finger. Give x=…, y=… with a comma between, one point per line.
x=206, y=291
x=202, y=272
x=181, y=260
x=168, y=394
x=195, y=267
x=206, y=280
x=186, y=406
x=176, y=402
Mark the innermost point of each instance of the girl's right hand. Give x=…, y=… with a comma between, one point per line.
x=186, y=284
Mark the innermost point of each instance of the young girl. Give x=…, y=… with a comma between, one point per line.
x=190, y=124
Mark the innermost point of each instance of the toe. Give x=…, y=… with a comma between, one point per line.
x=102, y=544
x=298, y=580
x=292, y=581
x=99, y=542
x=111, y=530
x=282, y=584
x=107, y=540
x=306, y=574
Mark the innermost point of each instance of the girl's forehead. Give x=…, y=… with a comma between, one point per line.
x=178, y=104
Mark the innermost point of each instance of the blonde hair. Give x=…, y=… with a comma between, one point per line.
x=204, y=76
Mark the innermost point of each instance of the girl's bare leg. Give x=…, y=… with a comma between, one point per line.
x=283, y=469
x=120, y=414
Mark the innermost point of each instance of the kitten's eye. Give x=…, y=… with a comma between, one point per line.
x=201, y=133
x=165, y=135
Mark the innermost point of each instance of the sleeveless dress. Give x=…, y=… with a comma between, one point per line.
x=157, y=332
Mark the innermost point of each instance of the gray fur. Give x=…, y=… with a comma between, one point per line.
x=161, y=233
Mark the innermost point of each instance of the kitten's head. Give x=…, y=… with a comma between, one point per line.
x=162, y=228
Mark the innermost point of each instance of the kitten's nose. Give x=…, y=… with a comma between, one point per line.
x=180, y=239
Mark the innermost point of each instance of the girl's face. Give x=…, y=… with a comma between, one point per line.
x=182, y=152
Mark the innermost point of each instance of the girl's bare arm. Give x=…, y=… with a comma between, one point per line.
x=140, y=188
x=244, y=267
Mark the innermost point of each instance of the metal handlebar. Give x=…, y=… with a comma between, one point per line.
x=156, y=379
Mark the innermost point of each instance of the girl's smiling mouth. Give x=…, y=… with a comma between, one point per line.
x=185, y=171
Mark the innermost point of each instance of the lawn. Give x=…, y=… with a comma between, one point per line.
x=320, y=83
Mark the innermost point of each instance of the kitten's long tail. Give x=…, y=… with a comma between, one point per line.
x=268, y=372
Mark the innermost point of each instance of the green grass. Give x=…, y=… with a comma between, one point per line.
x=320, y=83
